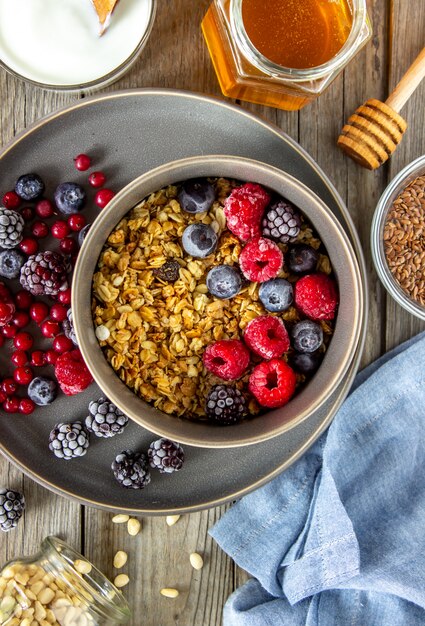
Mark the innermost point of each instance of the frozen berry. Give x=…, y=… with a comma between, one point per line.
x=64, y=297
x=23, y=341
x=50, y=328
x=276, y=294
x=131, y=469
x=29, y=246
x=21, y=319
x=82, y=162
x=40, y=229
x=105, y=419
x=224, y=281
x=260, y=260
x=282, y=222
x=68, y=327
x=11, y=404
x=244, y=209
x=169, y=272
x=267, y=336
x=27, y=213
x=19, y=358
x=9, y=386
x=51, y=357
x=82, y=234
x=272, y=383
x=44, y=209
x=225, y=405
x=38, y=358
x=316, y=296
x=38, y=312
x=196, y=195
x=29, y=187
x=68, y=245
x=69, y=441
x=23, y=299
x=9, y=330
x=12, y=506
x=103, y=197
x=44, y=273
x=227, y=359
x=301, y=258
x=23, y=375
x=7, y=310
x=61, y=344
x=26, y=406
x=97, y=179
x=166, y=456
x=70, y=198
x=42, y=390
x=11, y=228
x=76, y=222
x=306, y=362
x=60, y=229
x=11, y=200
x=199, y=240
x=72, y=373
x=11, y=262
x=307, y=336
x=58, y=312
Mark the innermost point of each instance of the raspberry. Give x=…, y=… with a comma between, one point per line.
x=244, y=210
x=71, y=372
x=272, y=383
x=227, y=359
x=316, y=295
x=260, y=260
x=267, y=336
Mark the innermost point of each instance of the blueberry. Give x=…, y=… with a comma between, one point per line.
x=306, y=363
x=70, y=198
x=42, y=390
x=307, y=336
x=199, y=240
x=82, y=234
x=302, y=258
x=196, y=195
x=224, y=281
x=29, y=187
x=11, y=262
x=276, y=294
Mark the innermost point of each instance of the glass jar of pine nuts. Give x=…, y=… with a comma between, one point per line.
x=58, y=586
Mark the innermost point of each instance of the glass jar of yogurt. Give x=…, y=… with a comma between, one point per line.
x=55, y=44
x=58, y=586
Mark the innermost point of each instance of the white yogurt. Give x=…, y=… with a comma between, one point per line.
x=57, y=42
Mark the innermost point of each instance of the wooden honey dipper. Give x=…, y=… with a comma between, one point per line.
x=373, y=132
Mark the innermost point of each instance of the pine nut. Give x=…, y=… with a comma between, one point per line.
x=83, y=567
x=133, y=526
x=172, y=519
x=120, y=519
x=120, y=559
x=196, y=561
x=168, y=592
x=121, y=580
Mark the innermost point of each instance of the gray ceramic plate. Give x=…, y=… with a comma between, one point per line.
x=128, y=133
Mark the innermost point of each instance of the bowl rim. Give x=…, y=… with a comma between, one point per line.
x=180, y=429
x=411, y=171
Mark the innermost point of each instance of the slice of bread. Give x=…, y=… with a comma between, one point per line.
x=104, y=10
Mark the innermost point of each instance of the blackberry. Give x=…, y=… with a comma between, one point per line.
x=69, y=441
x=68, y=328
x=105, y=419
x=11, y=262
x=166, y=456
x=29, y=187
x=131, y=469
x=12, y=505
x=281, y=222
x=225, y=405
x=44, y=273
x=11, y=227
x=169, y=272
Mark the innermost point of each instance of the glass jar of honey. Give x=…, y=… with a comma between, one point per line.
x=283, y=53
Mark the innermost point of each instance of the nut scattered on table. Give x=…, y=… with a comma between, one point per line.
x=196, y=560
x=169, y=592
x=121, y=580
x=172, y=519
x=133, y=526
x=120, y=518
x=120, y=559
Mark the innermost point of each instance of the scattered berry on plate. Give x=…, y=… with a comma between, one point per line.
x=29, y=246
x=316, y=296
x=11, y=228
x=82, y=162
x=29, y=187
x=169, y=272
x=267, y=336
x=272, y=383
x=23, y=299
x=166, y=456
x=70, y=198
x=97, y=179
x=76, y=222
x=103, y=197
x=105, y=419
x=244, y=209
x=72, y=373
x=260, y=260
x=306, y=362
x=69, y=441
x=26, y=406
x=68, y=327
x=227, y=359
x=224, y=281
x=12, y=505
x=276, y=294
x=196, y=195
x=40, y=229
x=301, y=258
x=23, y=375
x=281, y=222
x=42, y=390
x=21, y=319
x=11, y=200
x=307, y=336
x=199, y=240
x=60, y=229
x=225, y=405
x=11, y=262
x=44, y=273
x=44, y=208
x=131, y=469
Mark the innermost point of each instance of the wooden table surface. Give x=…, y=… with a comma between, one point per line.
x=176, y=57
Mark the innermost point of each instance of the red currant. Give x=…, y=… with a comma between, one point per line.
x=27, y=213
x=3, y=396
x=64, y=297
x=62, y=343
x=44, y=209
x=76, y=222
x=39, y=311
x=40, y=229
x=103, y=196
x=58, y=312
x=49, y=328
x=38, y=358
x=51, y=357
x=97, y=179
x=9, y=330
x=23, y=375
x=82, y=162
x=6, y=312
x=60, y=229
x=29, y=245
x=23, y=299
x=11, y=404
x=19, y=358
x=23, y=341
x=21, y=319
x=68, y=245
x=11, y=200
x=26, y=406
x=9, y=386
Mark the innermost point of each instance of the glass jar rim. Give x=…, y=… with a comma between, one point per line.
x=266, y=65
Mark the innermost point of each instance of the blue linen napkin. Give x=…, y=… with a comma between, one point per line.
x=339, y=538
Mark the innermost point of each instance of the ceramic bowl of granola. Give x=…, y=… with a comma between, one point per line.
x=217, y=301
